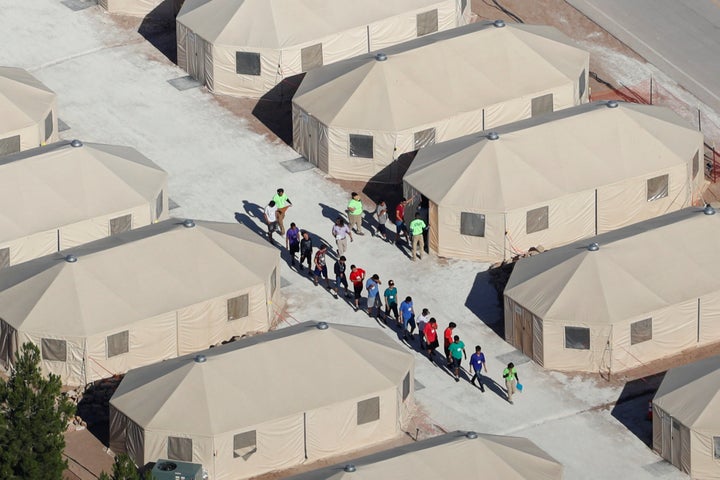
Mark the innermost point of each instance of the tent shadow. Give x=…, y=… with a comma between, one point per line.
x=486, y=304
x=631, y=407
x=94, y=410
x=158, y=28
x=274, y=109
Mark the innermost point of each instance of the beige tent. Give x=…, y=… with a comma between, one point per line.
x=28, y=107
x=157, y=9
x=267, y=402
x=355, y=119
x=462, y=455
x=648, y=291
x=60, y=196
x=138, y=297
x=556, y=179
x=247, y=47
x=686, y=418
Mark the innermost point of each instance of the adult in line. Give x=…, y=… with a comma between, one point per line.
x=292, y=242
x=320, y=266
x=306, y=248
x=477, y=364
x=373, y=291
x=391, y=305
x=357, y=275
x=271, y=219
x=408, y=317
x=341, y=232
x=283, y=203
x=340, y=277
x=382, y=217
x=400, y=227
x=355, y=213
x=511, y=378
x=417, y=228
x=448, y=340
x=431, y=338
x=457, y=350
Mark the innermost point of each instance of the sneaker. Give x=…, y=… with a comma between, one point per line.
x=511, y=402
x=482, y=389
x=355, y=308
x=457, y=379
x=334, y=294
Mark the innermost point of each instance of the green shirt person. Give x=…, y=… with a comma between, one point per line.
x=355, y=213
x=457, y=350
x=282, y=202
x=417, y=227
x=511, y=378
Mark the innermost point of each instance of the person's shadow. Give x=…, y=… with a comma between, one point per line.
x=250, y=223
x=254, y=210
x=331, y=213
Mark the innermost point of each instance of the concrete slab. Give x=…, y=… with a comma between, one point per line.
x=184, y=83
x=295, y=165
x=76, y=5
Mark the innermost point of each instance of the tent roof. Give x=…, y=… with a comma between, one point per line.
x=638, y=269
x=262, y=378
x=56, y=185
x=132, y=276
x=24, y=100
x=691, y=394
x=536, y=160
x=439, y=76
x=452, y=455
x=278, y=24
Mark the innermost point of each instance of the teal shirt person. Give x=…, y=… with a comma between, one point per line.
x=391, y=295
x=417, y=226
x=456, y=349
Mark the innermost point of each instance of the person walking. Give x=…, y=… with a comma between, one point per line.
x=408, y=317
x=382, y=217
x=292, y=242
x=431, y=338
x=306, y=248
x=355, y=213
x=448, y=340
x=391, y=305
x=417, y=228
x=320, y=266
x=340, y=278
x=400, y=227
x=357, y=275
x=477, y=364
x=271, y=219
x=457, y=350
x=421, y=321
x=373, y=289
x=282, y=202
x=341, y=232
x=511, y=378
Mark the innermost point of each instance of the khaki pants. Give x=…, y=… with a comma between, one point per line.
x=510, y=386
x=280, y=214
x=341, y=245
x=418, y=242
x=356, y=221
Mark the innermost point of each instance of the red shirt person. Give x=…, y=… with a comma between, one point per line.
x=357, y=275
x=448, y=341
x=431, y=338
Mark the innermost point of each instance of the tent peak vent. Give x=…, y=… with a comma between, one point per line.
x=188, y=223
x=612, y=104
x=471, y=435
x=200, y=359
x=76, y=143
x=709, y=210
x=593, y=247
x=349, y=468
x=380, y=57
x=493, y=136
x=322, y=326
x=71, y=258
x=499, y=23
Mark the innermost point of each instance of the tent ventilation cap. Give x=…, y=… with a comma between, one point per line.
x=471, y=435
x=76, y=143
x=322, y=326
x=71, y=258
x=612, y=104
x=188, y=223
x=493, y=136
x=380, y=57
x=349, y=468
x=499, y=23
x=200, y=359
x=593, y=247
x=709, y=210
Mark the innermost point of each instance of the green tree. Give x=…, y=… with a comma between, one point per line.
x=124, y=469
x=34, y=417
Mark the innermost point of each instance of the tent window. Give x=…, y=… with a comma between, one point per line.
x=311, y=57
x=716, y=448
x=424, y=138
x=237, y=307
x=657, y=187
x=245, y=444
x=368, y=410
x=273, y=281
x=541, y=105
x=577, y=338
x=54, y=350
x=472, y=224
x=247, y=63
x=4, y=257
x=361, y=146
x=120, y=224
x=159, y=205
x=406, y=386
x=118, y=343
x=696, y=165
x=427, y=22
x=179, y=449
x=10, y=145
x=48, y=125
x=641, y=331
x=537, y=219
